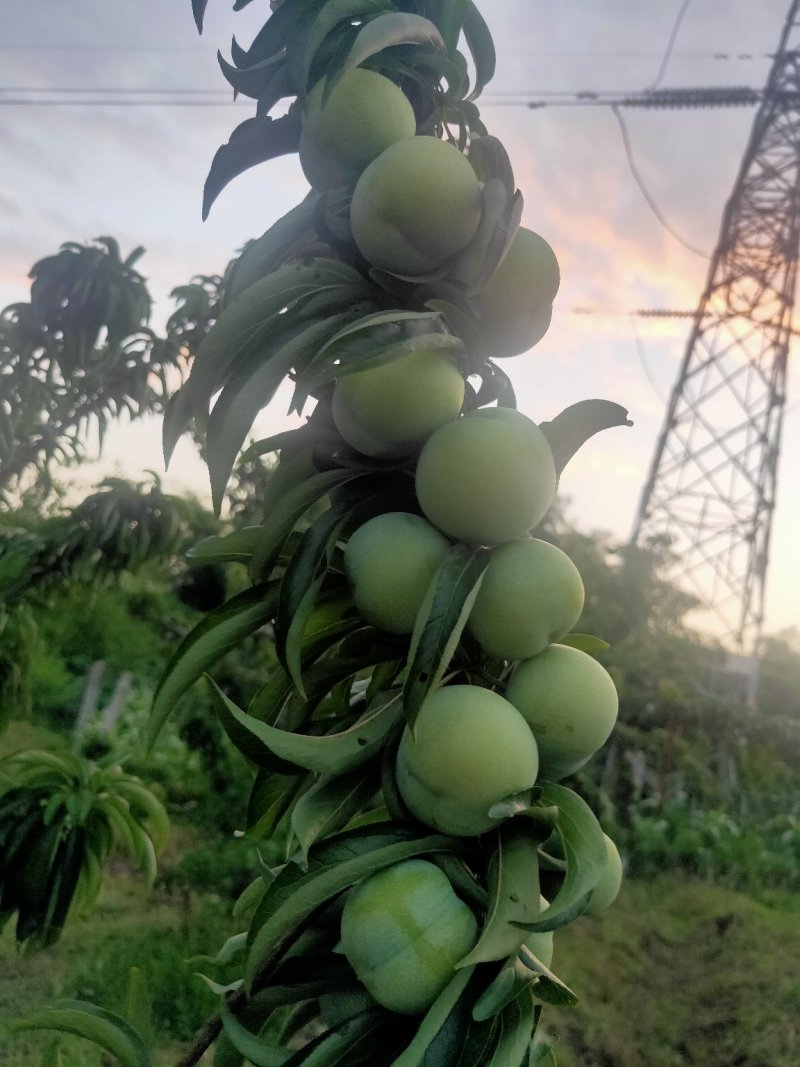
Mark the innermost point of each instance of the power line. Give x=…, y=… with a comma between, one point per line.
x=644, y=190
x=662, y=70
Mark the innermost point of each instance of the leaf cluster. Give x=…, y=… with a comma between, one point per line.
x=61, y=816
x=415, y=43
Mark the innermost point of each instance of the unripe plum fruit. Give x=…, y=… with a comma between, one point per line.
x=570, y=703
x=605, y=892
x=415, y=207
x=390, y=561
x=516, y=303
x=470, y=749
x=403, y=931
x=363, y=115
x=486, y=478
x=531, y=595
x=389, y=410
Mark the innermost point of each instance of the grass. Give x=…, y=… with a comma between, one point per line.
x=682, y=972
x=157, y=933
x=676, y=973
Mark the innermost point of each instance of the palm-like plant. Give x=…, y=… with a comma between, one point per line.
x=61, y=816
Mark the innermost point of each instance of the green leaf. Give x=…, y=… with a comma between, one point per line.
x=237, y=546
x=513, y=894
x=287, y=512
x=199, y=10
x=333, y=866
x=300, y=587
x=258, y=1052
x=271, y=250
x=584, y=849
x=325, y=754
x=331, y=15
x=440, y=623
x=516, y=1023
x=434, y=1020
x=176, y=418
x=481, y=46
x=358, y=651
x=253, y=141
x=330, y=803
x=233, y=947
x=254, y=379
x=585, y=643
x=216, y=634
x=340, y=1044
x=576, y=424
x=385, y=31
x=251, y=320
x=104, y=1028
x=271, y=796
x=549, y=987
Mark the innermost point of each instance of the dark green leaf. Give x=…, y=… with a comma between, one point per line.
x=434, y=1020
x=104, y=1028
x=513, y=894
x=272, y=249
x=515, y=1023
x=300, y=588
x=330, y=803
x=271, y=796
x=385, y=31
x=236, y=546
x=342, y=1044
x=440, y=623
x=331, y=15
x=549, y=987
x=199, y=10
x=584, y=849
x=576, y=424
x=288, y=510
x=176, y=418
x=254, y=141
x=333, y=866
x=481, y=46
x=216, y=634
x=325, y=754
x=585, y=642
x=259, y=1052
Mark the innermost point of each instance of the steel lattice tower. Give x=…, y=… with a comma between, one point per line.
x=712, y=481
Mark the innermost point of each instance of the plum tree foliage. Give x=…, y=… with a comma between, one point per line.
x=392, y=766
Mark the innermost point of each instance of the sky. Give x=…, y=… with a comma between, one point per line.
x=75, y=172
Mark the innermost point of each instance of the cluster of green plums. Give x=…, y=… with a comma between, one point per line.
x=483, y=477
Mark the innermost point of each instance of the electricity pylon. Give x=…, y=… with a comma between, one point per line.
x=712, y=481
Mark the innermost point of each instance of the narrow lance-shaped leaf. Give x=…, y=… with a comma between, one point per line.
x=300, y=587
x=576, y=424
x=326, y=753
x=584, y=849
x=515, y=1022
x=585, y=643
x=104, y=1028
x=434, y=1020
x=216, y=634
x=513, y=894
x=549, y=987
x=383, y=32
x=253, y=141
x=330, y=16
x=333, y=866
x=440, y=623
x=330, y=804
x=283, y=517
x=481, y=46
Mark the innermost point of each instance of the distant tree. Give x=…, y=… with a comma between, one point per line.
x=76, y=356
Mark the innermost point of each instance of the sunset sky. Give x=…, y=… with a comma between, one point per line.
x=75, y=172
